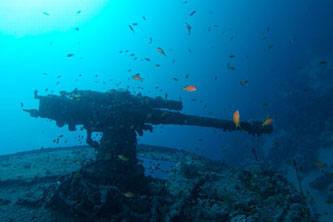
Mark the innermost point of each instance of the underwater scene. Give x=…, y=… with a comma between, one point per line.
x=166, y=111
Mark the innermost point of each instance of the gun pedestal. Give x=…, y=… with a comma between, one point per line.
x=116, y=162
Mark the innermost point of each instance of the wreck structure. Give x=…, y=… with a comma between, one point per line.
x=116, y=174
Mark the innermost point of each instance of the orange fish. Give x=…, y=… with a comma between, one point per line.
x=236, y=117
x=321, y=165
x=129, y=194
x=267, y=122
x=161, y=51
x=190, y=88
x=137, y=77
x=188, y=27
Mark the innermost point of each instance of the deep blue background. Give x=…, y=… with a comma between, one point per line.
x=300, y=32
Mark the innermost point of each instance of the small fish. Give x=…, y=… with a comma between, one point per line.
x=328, y=202
x=122, y=157
x=144, y=18
x=267, y=122
x=137, y=77
x=157, y=65
x=147, y=59
x=45, y=13
x=22, y=105
x=70, y=54
x=323, y=62
x=131, y=28
x=150, y=40
x=265, y=104
x=161, y=51
x=192, y=13
x=191, y=153
x=190, y=88
x=318, y=164
x=276, y=143
x=270, y=46
x=236, y=118
x=75, y=96
x=188, y=27
x=135, y=24
x=187, y=75
x=78, y=12
x=244, y=82
x=44, y=74
x=77, y=29
x=129, y=194
x=176, y=79
x=230, y=67
x=231, y=56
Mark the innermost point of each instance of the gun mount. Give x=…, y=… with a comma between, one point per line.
x=119, y=116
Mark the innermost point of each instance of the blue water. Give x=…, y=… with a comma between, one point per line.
x=269, y=40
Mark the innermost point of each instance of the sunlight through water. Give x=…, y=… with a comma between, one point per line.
x=33, y=17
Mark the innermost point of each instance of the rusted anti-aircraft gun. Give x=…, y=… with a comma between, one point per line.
x=119, y=116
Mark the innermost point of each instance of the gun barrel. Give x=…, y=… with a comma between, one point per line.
x=166, y=117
